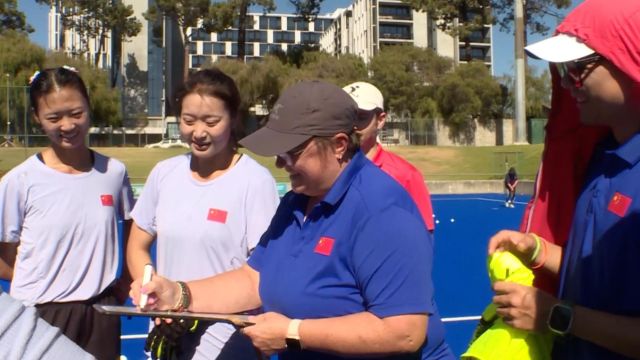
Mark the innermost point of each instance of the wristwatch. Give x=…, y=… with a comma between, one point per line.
x=560, y=318
x=293, y=336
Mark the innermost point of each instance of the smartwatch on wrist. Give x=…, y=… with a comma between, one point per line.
x=293, y=336
x=560, y=318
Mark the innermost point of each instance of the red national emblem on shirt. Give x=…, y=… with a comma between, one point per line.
x=619, y=204
x=106, y=200
x=217, y=215
x=324, y=246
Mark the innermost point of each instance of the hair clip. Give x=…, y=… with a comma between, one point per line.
x=70, y=68
x=34, y=77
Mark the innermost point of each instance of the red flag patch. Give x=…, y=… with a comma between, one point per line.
x=324, y=246
x=106, y=200
x=619, y=204
x=217, y=215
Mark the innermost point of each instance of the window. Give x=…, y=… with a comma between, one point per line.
x=248, y=49
x=398, y=12
x=284, y=37
x=199, y=34
x=269, y=48
x=228, y=35
x=256, y=36
x=212, y=48
x=321, y=25
x=198, y=60
x=477, y=36
x=467, y=54
x=309, y=38
x=294, y=23
x=395, y=32
x=193, y=48
x=270, y=23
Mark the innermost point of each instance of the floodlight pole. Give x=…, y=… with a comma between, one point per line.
x=8, y=119
x=7, y=137
x=520, y=71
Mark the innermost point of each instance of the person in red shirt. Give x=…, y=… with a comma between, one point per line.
x=371, y=119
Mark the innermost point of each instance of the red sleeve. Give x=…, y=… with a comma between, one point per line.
x=418, y=190
x=567, y=150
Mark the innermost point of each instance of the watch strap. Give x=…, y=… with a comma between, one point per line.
x=293, y=335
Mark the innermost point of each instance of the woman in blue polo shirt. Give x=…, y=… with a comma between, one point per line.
x=344, y=269
x=596, y=312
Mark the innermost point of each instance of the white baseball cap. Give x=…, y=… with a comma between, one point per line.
x=367, y=96
x=559, y=48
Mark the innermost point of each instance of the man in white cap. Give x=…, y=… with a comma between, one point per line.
x=371, y=119
x=596, y=310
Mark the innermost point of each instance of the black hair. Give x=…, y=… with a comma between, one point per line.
x=512, y=171
x=215, y=83
x=52, y=79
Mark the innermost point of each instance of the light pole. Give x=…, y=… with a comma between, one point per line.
x=7, y=136
x=520, y=72
x=8, y=121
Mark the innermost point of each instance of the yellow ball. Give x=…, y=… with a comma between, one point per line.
x=504, y=266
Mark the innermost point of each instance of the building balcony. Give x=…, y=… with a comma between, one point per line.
x=383, y=17
x=390, y=36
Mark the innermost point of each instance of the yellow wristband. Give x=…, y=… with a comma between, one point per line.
x=536, y=252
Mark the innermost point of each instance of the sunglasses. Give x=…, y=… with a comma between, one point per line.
x=364, y=117
x=291, y=156
x=578, y=70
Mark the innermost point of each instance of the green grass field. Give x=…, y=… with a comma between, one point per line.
x=435, y=162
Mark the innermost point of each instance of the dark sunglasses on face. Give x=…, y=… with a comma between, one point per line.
x=365, y=116
x=291, y=156
x=578, y=70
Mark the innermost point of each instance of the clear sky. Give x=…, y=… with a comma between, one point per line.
x=503, y=55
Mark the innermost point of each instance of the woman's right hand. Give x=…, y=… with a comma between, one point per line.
x=163, y=294
x=519, y=244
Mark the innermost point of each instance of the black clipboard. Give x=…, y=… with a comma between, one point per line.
x=237, y=320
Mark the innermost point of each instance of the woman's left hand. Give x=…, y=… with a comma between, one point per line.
x=522, y=307
x=269, y=332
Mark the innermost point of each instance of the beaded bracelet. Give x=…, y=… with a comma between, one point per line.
x=185, y=298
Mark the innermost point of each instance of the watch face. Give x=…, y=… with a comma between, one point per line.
x=293, y=344
x=560, y=318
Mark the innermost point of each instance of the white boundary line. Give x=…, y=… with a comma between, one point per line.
x=461, y=318
x=476, y=198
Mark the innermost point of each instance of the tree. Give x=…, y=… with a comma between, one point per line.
x=99, y=20
x=16, y=67
x=241, y=8
x=199, y=15
x=408, y=78
x=405, y=74
x=466, y=95
x=259, y=83
x=105, y=101
x=534, y=11
x=307, y=9
x=11, y=18
x=340, y=71
x=135, y=90
x=474, y=13
x=538, y=93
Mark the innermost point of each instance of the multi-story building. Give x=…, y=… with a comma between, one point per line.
x=366, y=26
x=148, y=73
x=265, y=33
x=137, y=64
